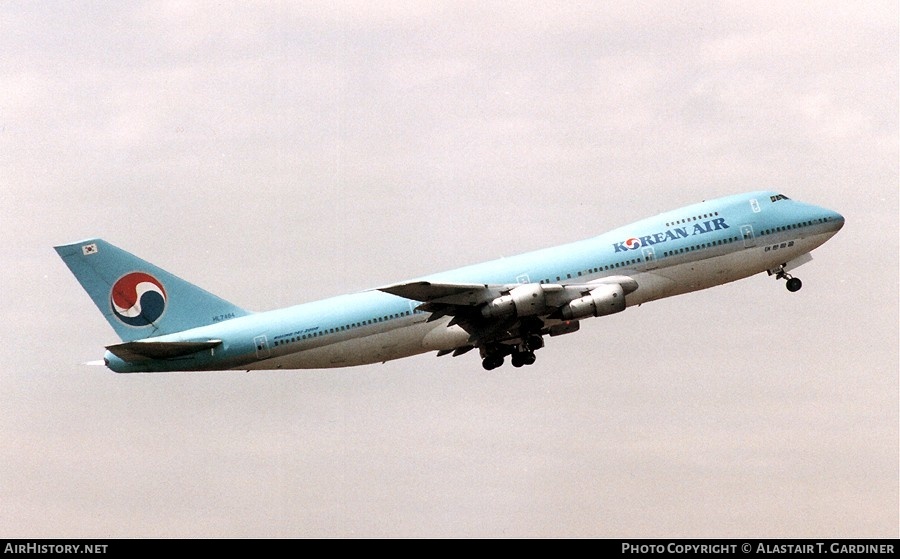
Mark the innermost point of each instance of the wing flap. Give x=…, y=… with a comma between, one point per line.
x=143, y=351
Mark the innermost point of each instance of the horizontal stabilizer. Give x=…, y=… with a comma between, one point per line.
x=142, y=351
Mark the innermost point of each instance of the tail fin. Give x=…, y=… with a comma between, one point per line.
x=138, y=299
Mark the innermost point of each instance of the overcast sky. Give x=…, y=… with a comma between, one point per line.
x=279, y=153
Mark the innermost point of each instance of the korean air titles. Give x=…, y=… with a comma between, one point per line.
x=673, y=234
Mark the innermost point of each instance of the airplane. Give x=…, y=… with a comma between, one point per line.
x=502, y=308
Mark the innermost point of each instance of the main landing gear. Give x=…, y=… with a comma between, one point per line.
x=492, y=361
x=521, y=354
x=793, y=284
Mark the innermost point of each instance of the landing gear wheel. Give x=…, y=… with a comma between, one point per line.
x=491, y=362
x=794, y=284
x=533, y=343
x=523, y=358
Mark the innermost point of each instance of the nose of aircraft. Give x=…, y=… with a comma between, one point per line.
x=838, y=221
x=830, y=220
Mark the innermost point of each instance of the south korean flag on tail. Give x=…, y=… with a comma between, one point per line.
x=89, y=249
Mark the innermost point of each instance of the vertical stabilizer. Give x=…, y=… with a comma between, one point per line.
x=138, y=299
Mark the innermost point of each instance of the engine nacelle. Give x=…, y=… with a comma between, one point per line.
x=602, y=300
x=527, y=299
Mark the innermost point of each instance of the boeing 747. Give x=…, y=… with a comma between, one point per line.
x=502, y=308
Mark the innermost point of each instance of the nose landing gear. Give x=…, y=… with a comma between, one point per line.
x=793, y=284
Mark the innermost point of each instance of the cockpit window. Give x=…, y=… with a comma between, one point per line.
x=778, y=197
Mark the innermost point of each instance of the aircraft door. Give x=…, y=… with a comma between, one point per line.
x=747, y=234
x=649, y=257
x=262, y=347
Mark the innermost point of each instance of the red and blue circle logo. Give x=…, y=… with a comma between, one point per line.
x=138, y=299
x=633, y=243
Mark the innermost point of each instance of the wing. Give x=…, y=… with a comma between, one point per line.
x=494, y=314
x=442, y=299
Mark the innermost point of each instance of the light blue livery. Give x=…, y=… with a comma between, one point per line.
x=503, y=308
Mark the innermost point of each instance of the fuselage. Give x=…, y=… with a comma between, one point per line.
x=685, y=250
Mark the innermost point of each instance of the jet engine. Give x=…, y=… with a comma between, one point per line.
x=527, y=299
x=602, y=300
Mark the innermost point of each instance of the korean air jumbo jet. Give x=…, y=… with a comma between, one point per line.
x=503, y=308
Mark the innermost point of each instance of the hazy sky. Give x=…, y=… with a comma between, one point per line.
x=282, y=152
